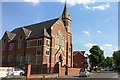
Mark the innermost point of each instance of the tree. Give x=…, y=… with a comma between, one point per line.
x=116, y=57
x=109, y=61
x=96, y=56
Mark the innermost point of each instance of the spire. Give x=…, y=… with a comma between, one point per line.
x=66, y=18
x=65, y=14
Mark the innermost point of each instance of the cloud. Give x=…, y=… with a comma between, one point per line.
x=33, y=2
x=89, y=45
x=74, y=2
x=107, y=45
x=98, y=31
x=85, y=3
x=69, y=2
x=107, y=48
x=99, y=7
x=86, y=33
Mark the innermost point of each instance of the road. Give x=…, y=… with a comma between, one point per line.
x=119, y=75
x=107, y=75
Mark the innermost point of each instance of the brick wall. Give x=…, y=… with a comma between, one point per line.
x=62, y=72
x=39, y=69
x=78, y=61
x=73, y=71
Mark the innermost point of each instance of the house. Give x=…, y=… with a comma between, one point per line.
x=44, y=44
x=81, y=60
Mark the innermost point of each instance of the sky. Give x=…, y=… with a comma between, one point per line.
x=93, y=23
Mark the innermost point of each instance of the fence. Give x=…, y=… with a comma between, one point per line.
x=33, y=70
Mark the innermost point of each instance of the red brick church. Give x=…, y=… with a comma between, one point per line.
x=45, y=43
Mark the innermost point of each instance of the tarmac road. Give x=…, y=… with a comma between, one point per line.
x=107, y=75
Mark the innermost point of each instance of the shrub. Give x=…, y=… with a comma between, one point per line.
x=118, y=68
x=115, y=68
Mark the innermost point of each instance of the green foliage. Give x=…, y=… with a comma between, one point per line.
x=109, y=61
x=116, y=57
x=118, y=68
x=96, y=56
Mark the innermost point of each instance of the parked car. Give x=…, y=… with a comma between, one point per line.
x=108, y=69
x=84, y=72
x=15, y=71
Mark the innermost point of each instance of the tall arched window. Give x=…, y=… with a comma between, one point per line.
x=3, y=44
x=20, y=42
x=10, y=57
x=59, y=40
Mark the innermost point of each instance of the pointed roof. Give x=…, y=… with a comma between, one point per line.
x=65, y=14
x=45, y=33
x=26, y=31
x=10, y=35
x=80, y=52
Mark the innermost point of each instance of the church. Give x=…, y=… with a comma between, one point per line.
x=46, y=43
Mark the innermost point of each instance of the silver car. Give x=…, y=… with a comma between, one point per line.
x=84, y=72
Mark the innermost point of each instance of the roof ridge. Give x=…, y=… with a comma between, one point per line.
x=41, y=22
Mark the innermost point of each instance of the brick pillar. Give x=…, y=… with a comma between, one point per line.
x=28, y=71
x=66, y=68
x=59, y=70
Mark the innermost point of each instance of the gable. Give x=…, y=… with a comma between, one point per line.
x=58, y=25
x=8, y=36
x=60, y=22
x=35, y=30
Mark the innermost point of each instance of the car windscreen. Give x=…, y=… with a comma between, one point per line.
x=17, y=69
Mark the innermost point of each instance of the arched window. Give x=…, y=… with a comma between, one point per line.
x=20, y=42
x=10, y=57
x=19, y=60
x=59, y=40
x=28, y=58
x=11, y=46
x=3, y=44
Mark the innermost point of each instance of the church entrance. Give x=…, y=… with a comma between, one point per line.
x=58, y=61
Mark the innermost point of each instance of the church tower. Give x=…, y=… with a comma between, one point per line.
x=67, y=23
x=66, y=18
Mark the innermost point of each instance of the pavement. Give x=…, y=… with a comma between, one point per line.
x=119, y=75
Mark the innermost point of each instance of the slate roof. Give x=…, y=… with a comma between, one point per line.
x=65, y=13
x=35, y=30
x=80, y=52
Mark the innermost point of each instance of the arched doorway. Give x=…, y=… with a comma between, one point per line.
x=60, y=59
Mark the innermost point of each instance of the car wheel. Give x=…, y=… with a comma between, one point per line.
x=87, y=75
x=21, y=74
x=13, y=74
